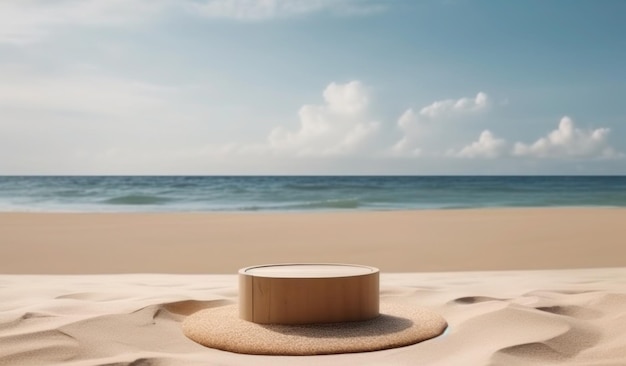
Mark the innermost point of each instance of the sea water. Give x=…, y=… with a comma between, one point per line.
x=302, y=193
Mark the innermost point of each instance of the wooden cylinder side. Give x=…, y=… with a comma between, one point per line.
x=245, y=297
x=306, y=300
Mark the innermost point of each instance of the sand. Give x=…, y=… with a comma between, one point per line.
x=414, y=241
x=517, y=286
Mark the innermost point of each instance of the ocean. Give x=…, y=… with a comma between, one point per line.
x=302, y=193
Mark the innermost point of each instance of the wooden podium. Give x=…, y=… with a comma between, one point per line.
x=308, y=293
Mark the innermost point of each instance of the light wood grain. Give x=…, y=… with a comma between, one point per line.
x=305, y=299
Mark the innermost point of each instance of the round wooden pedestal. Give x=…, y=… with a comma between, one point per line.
x=308, y=293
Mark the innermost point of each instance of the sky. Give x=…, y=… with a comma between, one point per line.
x=208, y=87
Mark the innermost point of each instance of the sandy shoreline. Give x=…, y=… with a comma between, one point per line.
x=412, y=241
x=530, y=314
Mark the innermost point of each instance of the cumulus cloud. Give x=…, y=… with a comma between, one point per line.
x=487, y=146
x=422, y=130
x=407, y=119
x=408, y=124
x=569, y=141
x=339, y=126
x=113, y=124
x=450, y=106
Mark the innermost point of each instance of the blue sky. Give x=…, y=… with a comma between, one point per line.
x=312, y=87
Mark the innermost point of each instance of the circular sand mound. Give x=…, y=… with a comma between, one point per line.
x=398, y=325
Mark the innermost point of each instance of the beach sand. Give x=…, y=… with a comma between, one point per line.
x=517, y=286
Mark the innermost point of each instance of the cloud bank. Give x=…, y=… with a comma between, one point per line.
x=568, y=141
x=344, y=125
x=420, y=130
x=27, y=21
x=118, y=125
x=487, y=146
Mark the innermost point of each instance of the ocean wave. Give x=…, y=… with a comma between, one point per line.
x=329, y=187
x=309, y=187
x=330, y=204
x=206, y=194
x=137, y=199
x=316, y=205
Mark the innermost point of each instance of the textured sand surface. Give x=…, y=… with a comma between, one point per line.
x=516, y=317
x=397, y=325
x=414, y=241
x=573, y=317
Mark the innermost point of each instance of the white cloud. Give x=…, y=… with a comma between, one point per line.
x=569, y=141
x=407, y=119
x=347, y=99
x=251, y=10
x=421, y=135
x=27, y=21
x=408, y=124
x=487, y=146
x=339, y=126
x=446, y=107
x=89, y=122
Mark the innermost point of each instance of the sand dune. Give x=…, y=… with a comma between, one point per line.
x=575, y=317
x=515, y=317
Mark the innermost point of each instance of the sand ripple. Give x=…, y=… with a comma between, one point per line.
x=573, y=317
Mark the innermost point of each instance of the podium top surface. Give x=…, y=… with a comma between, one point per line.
x=308, y=270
